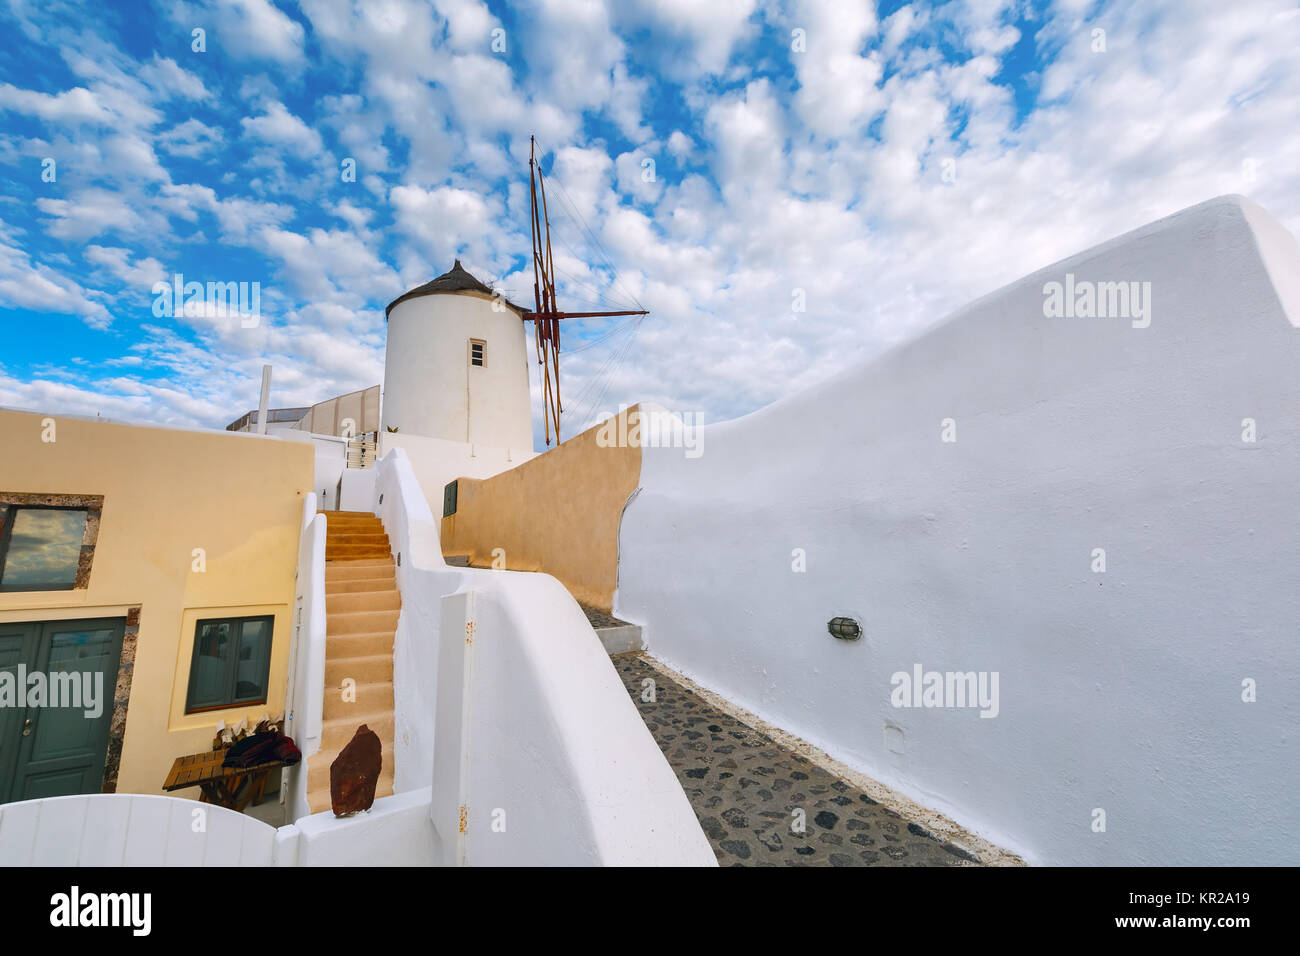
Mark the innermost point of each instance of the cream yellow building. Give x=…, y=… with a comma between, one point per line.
x=122, y=548
x=558, y=513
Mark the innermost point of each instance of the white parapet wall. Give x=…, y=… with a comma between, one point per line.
x=506, y=702
x=435, y=462
x=1099, y=510
x=331, y=463
x=306, y=697
x=395, y=831
x=357, y=489
x=423, y=578
x=541, y=758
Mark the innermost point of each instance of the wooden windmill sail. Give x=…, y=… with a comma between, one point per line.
x=546, y=314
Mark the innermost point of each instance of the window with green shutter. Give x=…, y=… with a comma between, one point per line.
x=231, y=665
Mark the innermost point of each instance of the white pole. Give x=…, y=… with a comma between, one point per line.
x=266, y=397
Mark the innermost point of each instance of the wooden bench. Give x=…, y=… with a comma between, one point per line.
x=229, y=787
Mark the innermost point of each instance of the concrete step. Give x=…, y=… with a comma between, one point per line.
x=378, y=538
x=620, y=638
x=342, y=647
x=370, y=698
x=336, y=733
x=335, y=552
x=331, y=557
x=368, y=669
x=361, y=622
x=334, y=530
x=362, y=606
x=358, y=585
x=617, y=637
x=362, y=568
x=380, y=599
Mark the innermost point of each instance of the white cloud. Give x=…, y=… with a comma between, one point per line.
x=192, y=139
x=77, y=105
x=798, y=194
x=329, y=265
x=900, y=25
x=280, y=128
x=702, y=35
x=29, y=285
x=637, y=180
x=90, y=213
x=140, y=274
x=243, y=29
x=839, y=88
x=168, y=79
x=443, y=221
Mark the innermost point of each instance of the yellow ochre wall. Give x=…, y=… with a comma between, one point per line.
x=167, y=492
x=558, y=513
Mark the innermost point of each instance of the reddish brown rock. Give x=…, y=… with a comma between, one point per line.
x=355, y=772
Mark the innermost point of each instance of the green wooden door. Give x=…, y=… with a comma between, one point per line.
x=48, y=750
x=18, y=644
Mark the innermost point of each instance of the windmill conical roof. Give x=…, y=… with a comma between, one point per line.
x=454, y=280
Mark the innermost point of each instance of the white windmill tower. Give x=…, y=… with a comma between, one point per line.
x=456, y=362
x=456, y=365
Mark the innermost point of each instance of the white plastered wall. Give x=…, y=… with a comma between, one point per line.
x=1120, y=691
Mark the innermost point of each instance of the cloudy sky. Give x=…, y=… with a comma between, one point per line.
x=719, y=162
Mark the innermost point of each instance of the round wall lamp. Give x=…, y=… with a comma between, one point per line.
x=844, y=628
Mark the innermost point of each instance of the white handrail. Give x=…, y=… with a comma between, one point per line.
x=305, y=697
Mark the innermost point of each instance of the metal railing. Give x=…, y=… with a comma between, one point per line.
x=362, y=450
x=273, y=416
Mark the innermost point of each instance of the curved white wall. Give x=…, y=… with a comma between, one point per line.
x=1120, y=691
x=507, y=702
x=431, y=389
x=541, y=757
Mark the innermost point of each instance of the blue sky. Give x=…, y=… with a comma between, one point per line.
x=884, y=163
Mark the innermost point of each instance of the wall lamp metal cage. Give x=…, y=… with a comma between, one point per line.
x=844, y=628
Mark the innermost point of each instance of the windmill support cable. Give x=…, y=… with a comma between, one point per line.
x=599, y=248
x=601, y=382
x=598, y=378
x=594, y=410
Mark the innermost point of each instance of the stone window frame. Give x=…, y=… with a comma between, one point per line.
x=93, y=505
x=121, y=701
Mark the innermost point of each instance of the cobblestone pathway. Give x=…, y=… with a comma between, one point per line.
x=744, y=788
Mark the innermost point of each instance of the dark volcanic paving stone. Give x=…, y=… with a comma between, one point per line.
x=748, y=822
x=600, y=618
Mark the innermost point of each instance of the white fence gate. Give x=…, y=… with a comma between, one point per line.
x=132, y=830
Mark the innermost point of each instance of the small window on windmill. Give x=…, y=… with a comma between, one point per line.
x=477, y=349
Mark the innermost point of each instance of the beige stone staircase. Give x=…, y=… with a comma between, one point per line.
x=361, y=604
